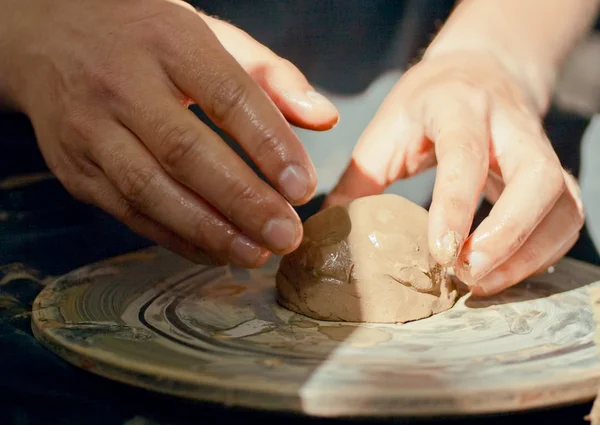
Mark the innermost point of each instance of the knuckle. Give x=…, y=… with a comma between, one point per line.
x=105, y=81
x=463, y=156
x=200, y=232
x=552, y=170
x=136, y=186
x=163, y=32
x=534, y=126
x=480, y=97
x=574, y=193
x=76, y=125
x=529, y=126
x=466, y=94
x=108, y=78
x=156, y=25
x=463, y=145
x=85, y=168
x=67, y=174
x=285, y=64
x=58, y=166
x=128, y=214
x=267, y=143
x=475, y=97
x=226, y=95
x=75, y=188
x=518, y=241
x=82, y=165
x=552, y=174
x=178, y=146
x=531, y=255
x=579, y=215
x=213, y=235
x=469, y=152
x=241, y=197
x=516, y=235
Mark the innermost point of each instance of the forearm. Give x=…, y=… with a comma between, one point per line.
x=531, y=38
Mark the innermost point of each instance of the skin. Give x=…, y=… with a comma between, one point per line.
x=107, y=85
x=473, y=106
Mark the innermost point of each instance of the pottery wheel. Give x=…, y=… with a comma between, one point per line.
x=153, y=320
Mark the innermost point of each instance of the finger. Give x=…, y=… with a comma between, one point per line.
x=92, y=187
x=498, y=281
x=107, y=197
x=144, y=187
x=534, y=182
x=391, y=147
x=574, y=191
x=519, y=269
x=552, y=239
x=559, y=254
x=232, y=100
x=282, y=81
x=195, y=156
x=458, y=126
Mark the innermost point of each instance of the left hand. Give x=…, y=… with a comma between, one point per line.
x=108, y=94
x=478, y=122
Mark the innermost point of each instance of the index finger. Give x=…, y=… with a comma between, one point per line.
x=202, y=69
x=459, y=129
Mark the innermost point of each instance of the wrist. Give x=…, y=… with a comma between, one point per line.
x=529, y=39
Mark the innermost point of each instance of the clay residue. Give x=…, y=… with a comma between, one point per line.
x=367, y=261
x=304, y=324
x=355, y=336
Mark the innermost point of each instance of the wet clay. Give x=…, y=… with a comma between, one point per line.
x=366, y=261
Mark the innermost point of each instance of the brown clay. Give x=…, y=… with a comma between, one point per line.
x=367, y=261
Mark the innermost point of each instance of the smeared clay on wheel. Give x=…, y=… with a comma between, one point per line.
x=367, y=261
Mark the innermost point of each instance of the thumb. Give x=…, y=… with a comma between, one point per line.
x=280, y=79
x=391, y=147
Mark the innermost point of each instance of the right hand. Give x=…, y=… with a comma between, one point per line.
x=107, y=84
x=478, y=122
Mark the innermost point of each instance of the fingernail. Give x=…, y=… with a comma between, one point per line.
x=245, y=252
x=294, y=182
x=264, y=256
x=478, y=263
x=490, y=285
x=279, y=234
x=318, y=99
x=447, y=248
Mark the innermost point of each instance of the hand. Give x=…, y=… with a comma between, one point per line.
x=475, y=119
x=107, y=84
